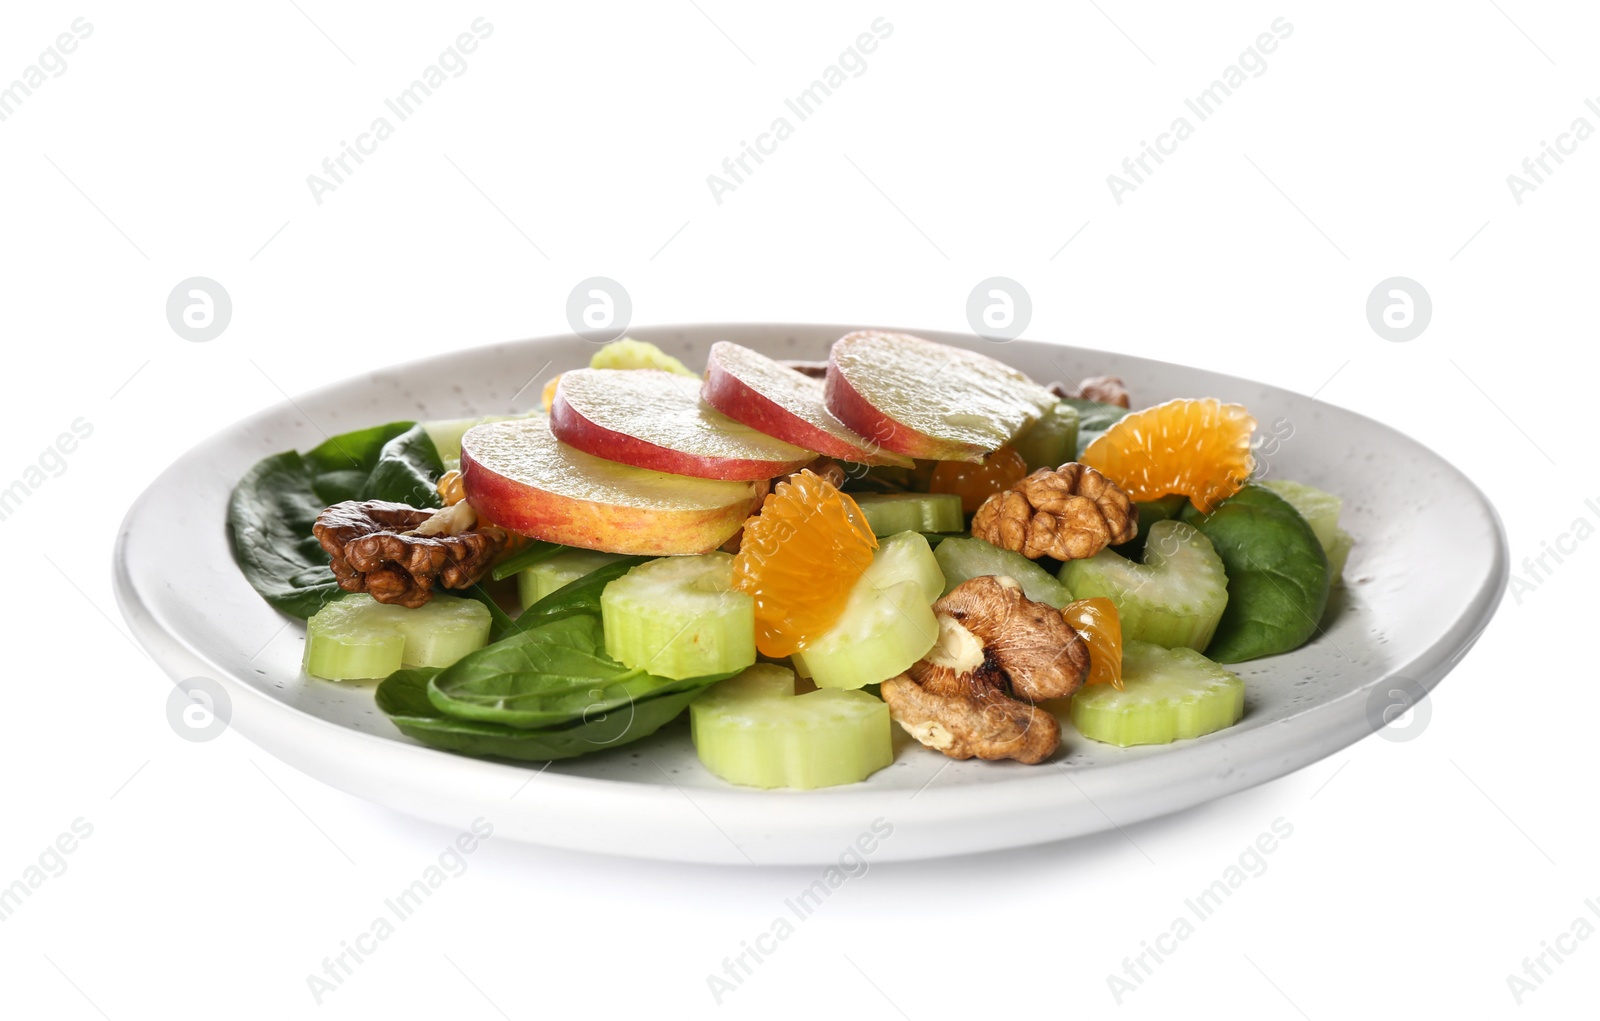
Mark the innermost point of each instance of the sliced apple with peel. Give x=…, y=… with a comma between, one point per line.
x=784, y=403
x=654, y=419
x=928, y=400
x=516, y=474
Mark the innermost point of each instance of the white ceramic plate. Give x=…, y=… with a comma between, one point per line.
x=1406, y=612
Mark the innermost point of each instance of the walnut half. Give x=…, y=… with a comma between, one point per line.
x=997, y=652
x=396, y=552
x=1101, y=389
x=1069, y=513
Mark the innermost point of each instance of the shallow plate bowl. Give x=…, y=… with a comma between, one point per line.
x=1419, y=589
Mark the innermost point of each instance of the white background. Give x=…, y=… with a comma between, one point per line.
x=1377, y=143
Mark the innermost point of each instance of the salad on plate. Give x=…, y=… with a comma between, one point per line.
x=800, y=557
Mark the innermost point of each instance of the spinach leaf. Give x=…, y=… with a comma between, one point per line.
x=269, y=526
x=544, y=676
x=403, y=696
x=273, y=507
x=1278, y=575
x=406, y=471
x=1094, y=418
x=547, y=691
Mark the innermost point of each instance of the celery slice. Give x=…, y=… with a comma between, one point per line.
x=1176, y=597
x=906, y=556
x=880, y=634
x=357, y=637
x=962, y=559
x=888, y=513
x=754, y=730
x=561, y=568
x=679, y=617
x=1339, y=553
x=1050, y=442
x=1167, y=695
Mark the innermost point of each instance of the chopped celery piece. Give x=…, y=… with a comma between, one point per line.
x=1166, y=695
x=679, y=617
x=889, y=513
x=1176, y=597
x=880, y=634
x=357, y=637
x=628, y=353
x=906, y=556
x=962, y=559
x=1050, y=442
x=560, y=568
x=754, y=730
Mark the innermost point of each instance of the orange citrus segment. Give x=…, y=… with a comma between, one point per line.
x=798, y=560
x=1198, y=448
x=547, y=397
x=1098, y=622
x=975, y=483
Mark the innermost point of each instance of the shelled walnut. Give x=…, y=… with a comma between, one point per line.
x=1069, y=513
x=396, y=552
x=1101, y=389
x=996, y=653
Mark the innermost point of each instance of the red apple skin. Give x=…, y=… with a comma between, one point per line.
x=600, y=526
x=859, y=415
x=730, y=395
x=574, y=430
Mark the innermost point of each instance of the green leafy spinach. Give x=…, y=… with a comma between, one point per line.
x=546, y=691
x=546, y=675
x=1278, y=575
x=403, y=697
x=273, y=507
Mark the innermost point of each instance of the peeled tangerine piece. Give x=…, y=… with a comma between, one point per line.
x=799, y=559
x=1200, y=448
x=754, y=730
x=1097, y=621
x=356, y=637
x=1167, y=695
x=888, y=622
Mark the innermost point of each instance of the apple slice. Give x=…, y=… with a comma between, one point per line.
x=922, y=399
x=654, y=419
x=782, y=402
x=517, y=475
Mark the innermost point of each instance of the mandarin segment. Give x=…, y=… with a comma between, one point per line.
x=1101, y=627
x=975, y=483
x=799, y=559
x=1197, y=448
